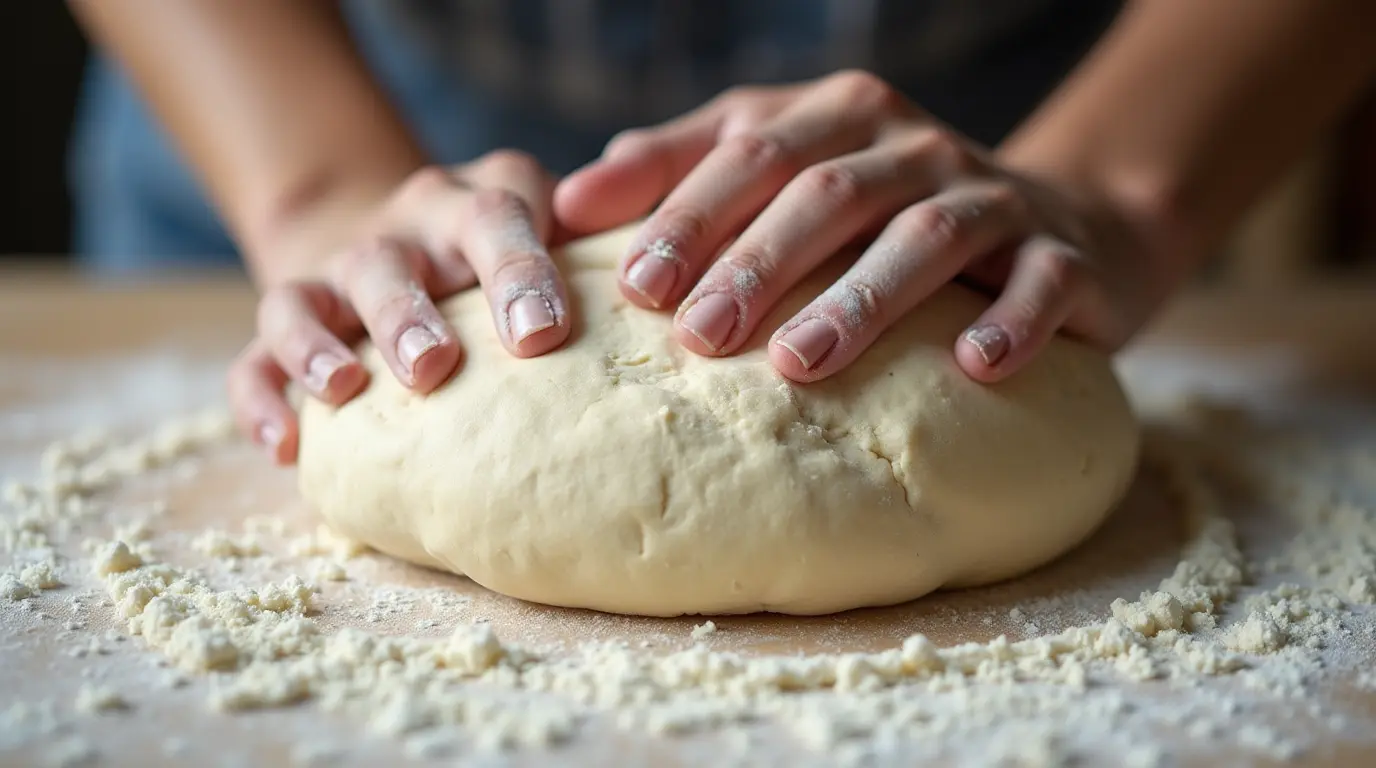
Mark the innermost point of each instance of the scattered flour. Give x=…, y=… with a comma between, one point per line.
x=1046, y=700
x=99, y=699
x=703, y=630
x=214, y=543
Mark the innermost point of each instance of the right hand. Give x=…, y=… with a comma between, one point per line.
x=488, y=222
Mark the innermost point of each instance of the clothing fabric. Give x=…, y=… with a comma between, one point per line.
x=558, y=78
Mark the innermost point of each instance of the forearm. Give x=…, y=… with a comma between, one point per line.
x=1188, y=109
x=272, y=107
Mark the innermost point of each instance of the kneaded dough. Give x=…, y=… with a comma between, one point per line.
x=623, y=473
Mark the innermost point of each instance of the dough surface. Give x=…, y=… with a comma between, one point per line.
x=624, y=474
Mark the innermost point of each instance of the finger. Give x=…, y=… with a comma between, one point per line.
x=921, y=249
x=256, y=386
x=305, y=327
x=385, y=281
x=636, y=171
x=1047, y=282
x=818, y=212
x=522, y=175
x=730, y=186
x=500, y=227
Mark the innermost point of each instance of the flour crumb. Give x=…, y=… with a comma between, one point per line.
x=704, y=629
x=116, y=557
x=328, y=570
x=100, y=699
x=11, y=588
x=1259, y=633
x=40, y=576
x=215, y=543
x=324, y=542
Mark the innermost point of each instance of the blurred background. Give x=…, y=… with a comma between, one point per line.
x=1319, y=221
x=42, y=55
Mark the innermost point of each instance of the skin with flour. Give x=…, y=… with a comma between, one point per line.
x=668, y=483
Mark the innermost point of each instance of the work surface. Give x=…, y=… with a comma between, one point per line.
x=1297, y=372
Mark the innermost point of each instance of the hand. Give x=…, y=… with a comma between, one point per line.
x=441, y=232
x=762, y=185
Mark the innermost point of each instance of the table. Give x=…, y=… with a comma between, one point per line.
x=74, y=352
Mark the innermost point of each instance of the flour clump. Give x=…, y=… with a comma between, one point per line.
x=625, y=474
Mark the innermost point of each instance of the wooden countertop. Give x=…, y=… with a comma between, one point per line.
x=1313, y=342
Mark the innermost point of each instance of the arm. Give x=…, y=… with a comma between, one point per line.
x=1187, y=110
x=273, y=109
x=346, y=229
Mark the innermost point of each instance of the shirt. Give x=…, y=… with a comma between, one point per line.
x=558, y=78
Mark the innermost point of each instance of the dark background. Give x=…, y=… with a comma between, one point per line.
x=42, y=55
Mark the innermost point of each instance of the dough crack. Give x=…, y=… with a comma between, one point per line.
x=893, y=470
x=663, y=496
x=840, y=438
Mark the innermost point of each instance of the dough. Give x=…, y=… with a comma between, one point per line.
x=625, y=474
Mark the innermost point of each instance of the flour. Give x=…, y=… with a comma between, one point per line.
x=100, y=699
x=276, y=654
x=11, y=588
x=1043, y=700
x=324, y=542
x=703, y=630
x=215, y=543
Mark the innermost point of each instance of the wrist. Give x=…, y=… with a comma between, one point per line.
x=1141, y=210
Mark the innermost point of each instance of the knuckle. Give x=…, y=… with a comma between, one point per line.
x=758, y=152
x=521, y=268
x=1003, y=195
x=748, y=263
x=425, y=182
x=398, y=306
x=686, y=225
x=834, y=184
x=495, y=203
x=510, y=162
x=737, y=97
x=939, y=148
x=859, y=295
x=864, y=88
x=246, y=368
x=1060, y=267
x=276, y=305
x=930, y=222
x=353, y=263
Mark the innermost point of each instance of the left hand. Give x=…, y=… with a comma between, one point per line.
x=762, y=185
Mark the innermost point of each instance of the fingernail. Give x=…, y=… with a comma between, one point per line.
x=321, y=369
x=810, y=341
x=529, y=315
x=270, y=435
x=990, y=340
x=654, y=273
x=415, y=342
x=711, y=319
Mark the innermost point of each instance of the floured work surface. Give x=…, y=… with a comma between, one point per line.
x=1221, y=613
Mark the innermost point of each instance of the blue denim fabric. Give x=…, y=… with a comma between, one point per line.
x=138, y=207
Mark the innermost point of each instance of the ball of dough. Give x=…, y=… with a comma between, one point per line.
x=623, y=473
